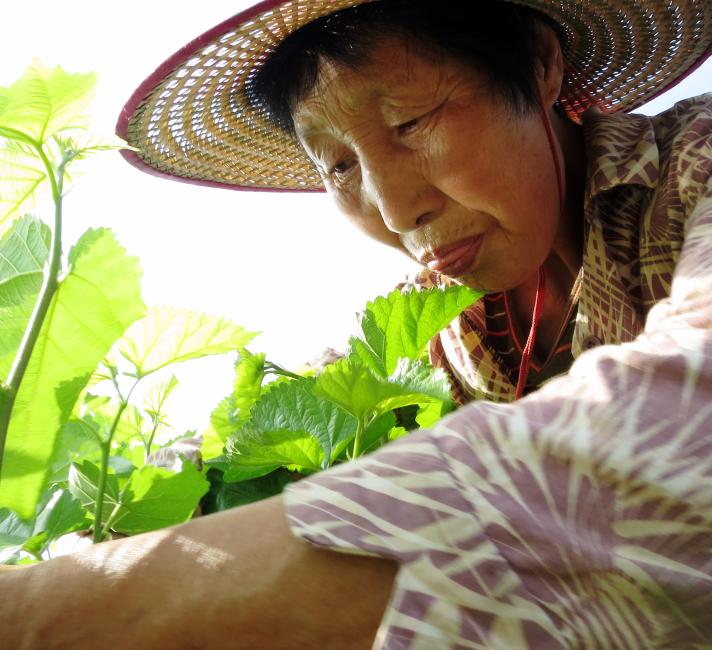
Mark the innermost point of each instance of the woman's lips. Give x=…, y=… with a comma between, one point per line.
x=456, y=258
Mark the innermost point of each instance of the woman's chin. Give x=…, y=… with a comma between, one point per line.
x=499, y=279
x=472, y=281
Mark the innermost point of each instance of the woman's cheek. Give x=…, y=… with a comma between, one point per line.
x=350, y=206
x=376, y=229
x=462, y=167
x=364, y=217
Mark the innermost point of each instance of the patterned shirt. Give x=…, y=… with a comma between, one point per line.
x=579, y=516
x=485, y=342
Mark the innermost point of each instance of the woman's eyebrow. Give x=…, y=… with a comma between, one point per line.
x=312, y=142
x=413, y=100
x=312, y=134
x=379, y=94
x=308, y=124
x=304, y=133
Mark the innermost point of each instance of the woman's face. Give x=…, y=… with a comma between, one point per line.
x=420, y=155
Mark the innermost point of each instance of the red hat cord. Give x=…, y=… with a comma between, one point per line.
x=525, y=362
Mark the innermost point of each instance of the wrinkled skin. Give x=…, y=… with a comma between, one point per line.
x=418, y=153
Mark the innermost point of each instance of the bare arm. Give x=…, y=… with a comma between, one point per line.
x=237, y=579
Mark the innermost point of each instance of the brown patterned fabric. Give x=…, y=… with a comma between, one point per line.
x=579, y=516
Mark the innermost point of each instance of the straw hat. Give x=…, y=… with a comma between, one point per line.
x=191, y=123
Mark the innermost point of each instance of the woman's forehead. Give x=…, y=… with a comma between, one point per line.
x=395, y=75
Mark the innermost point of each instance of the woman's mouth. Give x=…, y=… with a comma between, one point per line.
x=456, y=258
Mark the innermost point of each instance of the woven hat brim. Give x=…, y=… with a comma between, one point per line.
x=191, y=122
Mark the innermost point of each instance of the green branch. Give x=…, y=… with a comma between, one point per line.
x=274, y=369
x=357, y=438
x=44, y=299
x=99, y=532
x=147, y=446
x=98, y=535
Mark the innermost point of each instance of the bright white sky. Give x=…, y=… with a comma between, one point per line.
x=283, y=264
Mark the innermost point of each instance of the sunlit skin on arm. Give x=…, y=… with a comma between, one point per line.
x=238, y=579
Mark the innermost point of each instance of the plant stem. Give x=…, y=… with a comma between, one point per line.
x=357, y=438
x=44, y=298
x=150, y=438
x=110, y=519
x=6, y=403
x=98, y=535
x=274, y=369
x=99, y=532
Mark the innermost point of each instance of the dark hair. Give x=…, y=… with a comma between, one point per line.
x=498, y=39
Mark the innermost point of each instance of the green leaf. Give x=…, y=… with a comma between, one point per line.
x=21, y=174
x=155, y=497
x=293, y=406
x=121, y=467
x=397, y=432
x=223, y=423
x=353, y=386
x=366, y=354
x=213, y=443
x=376, y=434
x=253, y=453
x=62, y=515
x=372, y=349
x=93, y=305
x=14, y=532
x=80, y=149
x=23, y=252
x=418, y=383
x=401, y=324
x=133, y=453
x=157, y=396
x=96, y=413
x=249, y=375
x=44, y=101
x=234, y=410
x=24, y=249
x=37, y=107
x=83, y=484
x=429, y=414
x=76, y=440
x=223, y=496
x=168, y=335
x=131, y=425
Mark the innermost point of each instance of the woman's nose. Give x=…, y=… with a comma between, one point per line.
x=400, y=192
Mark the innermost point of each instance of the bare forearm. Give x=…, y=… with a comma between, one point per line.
x=238, y=577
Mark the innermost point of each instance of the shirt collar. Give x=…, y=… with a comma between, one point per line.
x=620, y=150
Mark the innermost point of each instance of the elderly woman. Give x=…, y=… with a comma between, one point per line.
x=481, y=139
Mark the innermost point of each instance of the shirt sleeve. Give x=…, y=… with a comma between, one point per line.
x=579, y=516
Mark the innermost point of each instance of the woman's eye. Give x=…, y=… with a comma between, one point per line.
x=420, y=122
x=408, y=127
x=342, y=169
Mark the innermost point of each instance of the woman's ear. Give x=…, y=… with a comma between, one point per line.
x=550, y=67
